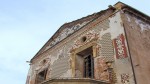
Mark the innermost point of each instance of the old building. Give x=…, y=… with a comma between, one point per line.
x=108, y=47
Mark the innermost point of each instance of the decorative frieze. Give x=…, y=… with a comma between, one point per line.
x=66, y=32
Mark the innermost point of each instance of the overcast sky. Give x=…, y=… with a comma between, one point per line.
x=25, y=26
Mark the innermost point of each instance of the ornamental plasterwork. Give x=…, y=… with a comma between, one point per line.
x=43, y=64
x=83, y=39
x=65, y=33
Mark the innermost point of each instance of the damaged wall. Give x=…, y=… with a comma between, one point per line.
x=114, y=49
x=111, y=48
x=138, y=36
x=58, y=59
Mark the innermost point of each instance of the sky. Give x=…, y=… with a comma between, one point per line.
x=26, y=25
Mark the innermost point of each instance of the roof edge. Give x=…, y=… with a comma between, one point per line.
x=121, y=5
x=68, y=23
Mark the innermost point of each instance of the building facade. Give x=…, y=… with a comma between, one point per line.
x=108, y=47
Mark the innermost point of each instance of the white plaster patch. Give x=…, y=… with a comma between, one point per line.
x=115, y=28
x=53, y=59
x=143, y=25
x=102, y=32
x=124, y=66
x=128, y=17
x=31, y=73
x=67, y=74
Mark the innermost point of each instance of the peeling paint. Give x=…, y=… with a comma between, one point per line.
x=59, y=61
x=115, y=26
x=128, y=17
x=143, y=25
x=67, y=74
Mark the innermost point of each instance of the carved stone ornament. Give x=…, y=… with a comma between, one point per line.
x=83, y=39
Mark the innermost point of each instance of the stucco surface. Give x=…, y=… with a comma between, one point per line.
x=138, y=37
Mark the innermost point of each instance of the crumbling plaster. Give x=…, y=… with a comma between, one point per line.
x=138, y=37
x=114, y=28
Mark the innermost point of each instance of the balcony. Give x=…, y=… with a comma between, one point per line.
x=75, y=81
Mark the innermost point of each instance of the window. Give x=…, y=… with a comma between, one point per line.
x=85, y=63
x=88, y=66
x=41, y=76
